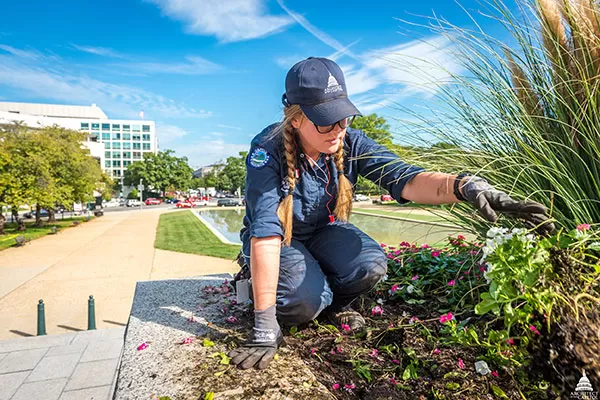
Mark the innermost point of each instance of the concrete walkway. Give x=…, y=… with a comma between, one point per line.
x=104, y=258
x=71, y=366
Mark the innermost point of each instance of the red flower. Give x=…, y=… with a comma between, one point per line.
x=583, y=227
x=446, y=318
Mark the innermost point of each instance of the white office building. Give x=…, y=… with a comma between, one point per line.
x=115, y=143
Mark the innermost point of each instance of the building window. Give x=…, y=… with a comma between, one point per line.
x=106, y=163
x=127, y=136
x=95, y=127
x=116, y=154
x=146, y=137
x=116, y=164
x=147, y=146
x=137, y=155
x=116, y=145
x=107, y=145
x=145, y=128
x=116, y=136
x=126, y=164
x=126, y=128
x=107, y=154
x=136, y=137
x=106, y=127
x=126, y=146
x=137, y=146
x=135, y=128
x=126, y=154
x=105, y=136
x=116, y=127
x=85, y=126
x=116, y=172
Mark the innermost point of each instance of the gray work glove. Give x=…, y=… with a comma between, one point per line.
x=261, y=348
x=488, y=201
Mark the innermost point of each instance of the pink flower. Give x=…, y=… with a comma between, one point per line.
x=533, y=329
x=405, y=244
x=435, y=253
x=461, y=237
x=335, y=386
x=473, y=252
x=383, y=246
x=452, y=282
x=394, y=288
x=413, y=319
x=377, y=311
x=510, y=341
x=313, y=351
x=436, y=351
x=482, y=268
x=393, y=381
x=142, y=346
x=187, y=340
x=495, y=374
x=461, y=363
x=346, y=327
x=414, y=278
x=374, y=353
x=233, y=302
x=339, y=350
x=396, y=361
x=350, y=386
x=425, y=246
x=390, y=326
x=446, y=318
x=231, y=320
x=583, y=227
x=332, y=351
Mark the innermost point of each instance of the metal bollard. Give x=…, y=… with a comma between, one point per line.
x=91, y=314
x=41, y=322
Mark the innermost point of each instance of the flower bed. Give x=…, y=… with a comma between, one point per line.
x=514, y=317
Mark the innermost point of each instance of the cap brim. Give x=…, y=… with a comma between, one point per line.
x=330, y=112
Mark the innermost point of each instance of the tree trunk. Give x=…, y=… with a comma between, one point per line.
x=38, y=217
x=2, y=222
x=51, y=215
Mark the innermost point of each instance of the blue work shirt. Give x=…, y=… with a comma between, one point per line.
x=316, y=186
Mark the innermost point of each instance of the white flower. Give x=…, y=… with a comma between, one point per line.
x=493, y=232
x=410, y=289
x=482, y=368
x=404, y=314
x=380, y=301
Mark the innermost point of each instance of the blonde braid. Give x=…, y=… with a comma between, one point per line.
x=285, y=211
x=343, y=206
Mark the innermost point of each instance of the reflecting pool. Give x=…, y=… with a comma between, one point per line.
x=384, y=230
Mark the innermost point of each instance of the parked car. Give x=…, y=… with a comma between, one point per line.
x=361, y=197
x=386, y=197
x=111, y=203
x=31, y=214
x=228, y=202
x=151, y=201
x=133, y=203
x=172, y=201
x=199, y=202
x=185, y=204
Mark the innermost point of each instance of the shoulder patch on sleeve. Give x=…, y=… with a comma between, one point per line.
x=259, y=158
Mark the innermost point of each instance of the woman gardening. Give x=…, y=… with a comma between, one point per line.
x=305, y=257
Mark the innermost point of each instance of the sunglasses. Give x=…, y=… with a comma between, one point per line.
x=344, y=123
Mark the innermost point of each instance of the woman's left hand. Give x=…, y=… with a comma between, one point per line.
x=488, y=201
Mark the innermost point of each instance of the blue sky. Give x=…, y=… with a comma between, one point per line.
x=211, y=72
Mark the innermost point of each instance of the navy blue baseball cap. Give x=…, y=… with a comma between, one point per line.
x=318, y=86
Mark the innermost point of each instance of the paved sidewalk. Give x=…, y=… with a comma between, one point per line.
x=104, y=258
x=71, y=366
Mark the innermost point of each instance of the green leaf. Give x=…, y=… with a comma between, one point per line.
x=209, y=396
x=168, y=398
x=485, y=306
x=452, y=386
x=415, y=301
x=499, y=392
x=208, y=343
x=454, y=374
x=293, y=330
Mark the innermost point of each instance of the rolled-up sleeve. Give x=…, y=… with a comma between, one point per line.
x=382, y=167
x=263, y=193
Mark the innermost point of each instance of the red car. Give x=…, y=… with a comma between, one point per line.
x=386, y=197
x=151, y=201
x=185, y=204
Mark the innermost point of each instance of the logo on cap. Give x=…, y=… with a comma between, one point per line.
x=333, y=85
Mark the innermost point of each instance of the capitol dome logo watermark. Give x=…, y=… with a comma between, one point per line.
x=584, y=390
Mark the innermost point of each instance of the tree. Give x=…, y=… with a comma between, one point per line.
x=233, y=175
x=375, y=127
x=160, y=171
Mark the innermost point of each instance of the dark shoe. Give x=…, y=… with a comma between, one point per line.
x=347, y=316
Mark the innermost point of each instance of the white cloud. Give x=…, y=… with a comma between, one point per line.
x=288, y=61
x=99, y=51
x=28, y=54
x=168, y=133
x=60, y=84
x=194, y=65
x=207, y=152
x=229, y=21
x=237, y=128
x=360, y=80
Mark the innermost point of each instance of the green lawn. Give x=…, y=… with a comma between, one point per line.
x=183, y=232
x=10, y=229
x=405, y=214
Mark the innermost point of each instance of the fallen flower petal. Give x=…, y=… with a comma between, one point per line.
x=452, y=282
x=374, y=353
x=533, y=329
x=377, y=311
x=393, y=381
x=187, y=340
x=394, y=288
x=350, y=386
x=231, y=320
x=346, y=327
x=313, y=351
x=436, y=351
x=396, y=361
x=142, y=346
x=335, y=386
x=494, y=373
x=414, y=278
x=461, y=363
